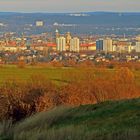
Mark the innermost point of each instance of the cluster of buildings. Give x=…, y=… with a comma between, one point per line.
x=67, y=43
x=120, y=46
x=107, y=45
x=45, y=47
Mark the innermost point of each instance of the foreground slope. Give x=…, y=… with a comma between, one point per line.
x=118, y=120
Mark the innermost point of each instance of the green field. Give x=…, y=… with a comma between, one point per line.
x=25, y=73
x=52, y=73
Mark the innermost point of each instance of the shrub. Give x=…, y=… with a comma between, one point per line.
x=21, y=64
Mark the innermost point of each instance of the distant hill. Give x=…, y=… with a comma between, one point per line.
x=96, y=18
x=118, y=120
x=98, y=12
x=88, y=22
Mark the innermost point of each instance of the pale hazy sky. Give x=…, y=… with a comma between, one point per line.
x=69, y=5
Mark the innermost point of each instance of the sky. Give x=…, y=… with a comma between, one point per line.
x=54, y=6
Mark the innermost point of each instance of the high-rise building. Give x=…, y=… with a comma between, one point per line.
x=99, y=45
x=137, y=46
x=107, y=45
x=39, y=23
x=75, y=44
x=61, y=44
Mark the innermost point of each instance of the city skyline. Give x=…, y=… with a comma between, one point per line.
x=53, y=6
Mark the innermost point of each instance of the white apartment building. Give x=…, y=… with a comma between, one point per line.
x=39, y=23
x=137, y=47
x=75, y=44
x=108, y=45
x=61, y=44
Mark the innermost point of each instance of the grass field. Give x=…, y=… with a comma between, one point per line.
x=52, y=73
x=25, y=73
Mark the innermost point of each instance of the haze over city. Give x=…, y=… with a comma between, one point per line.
x=55, y=6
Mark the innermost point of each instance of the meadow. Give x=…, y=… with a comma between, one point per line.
x=55, y=74
x=11, y=71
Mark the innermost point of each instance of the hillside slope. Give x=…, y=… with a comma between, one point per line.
x=118, y=120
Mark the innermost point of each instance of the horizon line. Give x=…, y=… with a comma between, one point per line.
x=45, y=12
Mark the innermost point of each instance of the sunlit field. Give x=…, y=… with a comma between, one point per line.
x=55, y=74
x=12, y=71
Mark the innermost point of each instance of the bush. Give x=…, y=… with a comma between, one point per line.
x=21, y=64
